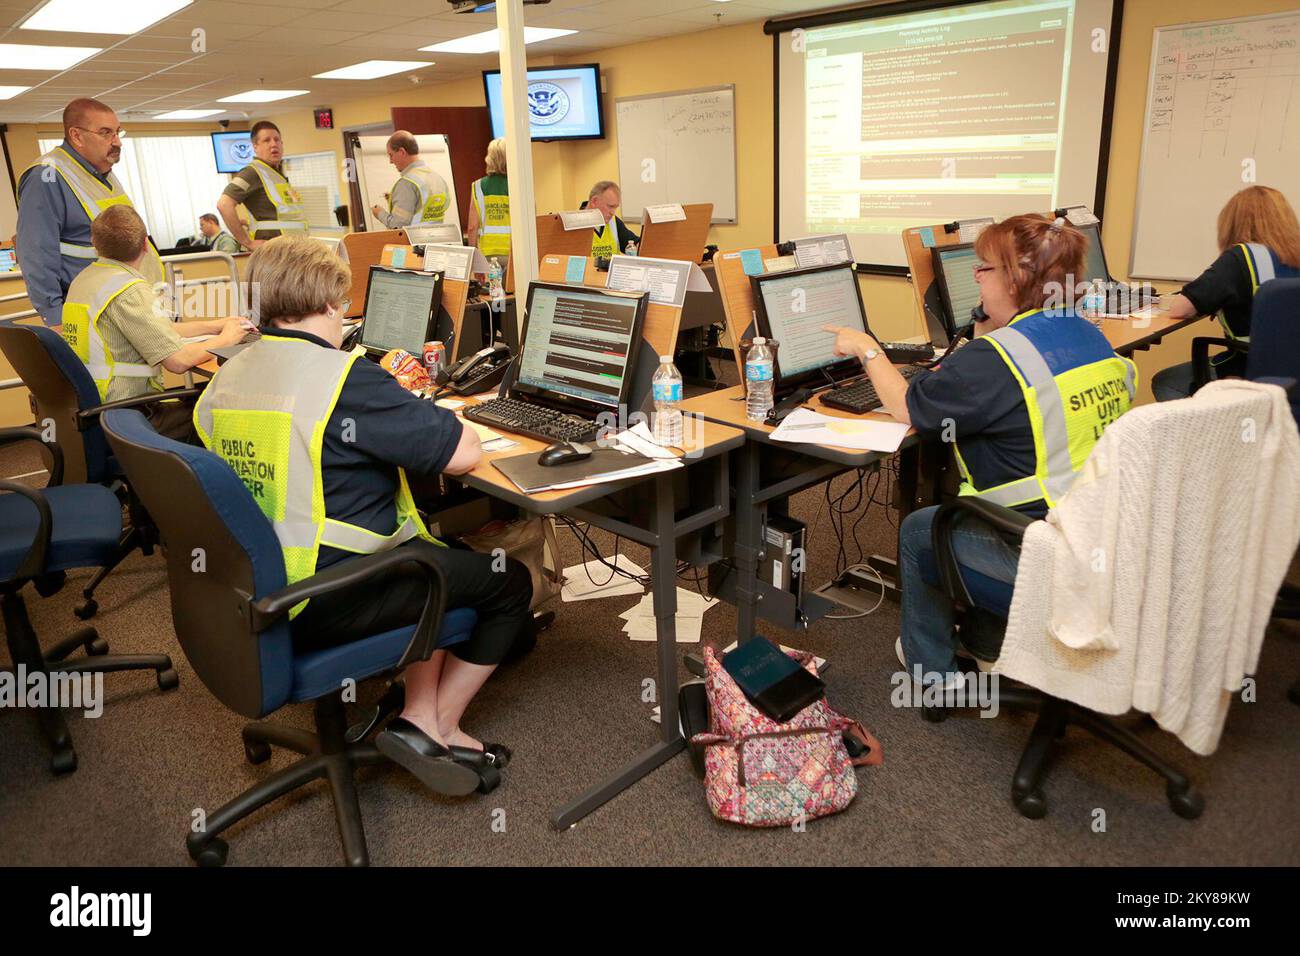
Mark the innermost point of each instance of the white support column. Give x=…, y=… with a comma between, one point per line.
x=519, y=149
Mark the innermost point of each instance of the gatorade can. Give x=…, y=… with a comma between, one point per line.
x=435, y=357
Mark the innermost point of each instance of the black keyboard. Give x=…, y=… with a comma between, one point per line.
x=860, y=396
x=545, y=424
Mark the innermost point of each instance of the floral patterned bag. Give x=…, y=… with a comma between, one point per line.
x=760, y=773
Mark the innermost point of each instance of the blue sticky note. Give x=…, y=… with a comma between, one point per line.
x=927, y=237
x=576, y=270
x=751, y=260
x=399, y=258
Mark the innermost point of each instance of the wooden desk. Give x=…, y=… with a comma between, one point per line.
x=1130, y=335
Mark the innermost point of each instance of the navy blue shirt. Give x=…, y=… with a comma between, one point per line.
x=377, y=427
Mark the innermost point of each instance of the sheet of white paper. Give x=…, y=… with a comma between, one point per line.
x=804, y=425
x=822, y=250
x=1081, y=216
x=665, y=212
x=582, y=219
x=580, y=586
x=451, y=404
x=640, y=440
x=665, y=279
x=649, y=468
x=969, y=229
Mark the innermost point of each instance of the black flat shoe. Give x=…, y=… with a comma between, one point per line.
x=433, y=764
x=495, y=755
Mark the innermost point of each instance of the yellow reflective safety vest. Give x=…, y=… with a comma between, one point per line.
x=432, y=190
x=605, y=241
x=290, y=214
x=1262, y=266
x=493, y=204
x=88, y=297
x=1074, y=385
x=94, y=197
x=265, y=412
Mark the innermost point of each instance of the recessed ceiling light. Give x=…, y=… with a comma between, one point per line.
x=188, y=114
x=490, y=40
x=28, y=56
x=92, y=16
x=9, y=92
x=372, y=69
x=261, y=96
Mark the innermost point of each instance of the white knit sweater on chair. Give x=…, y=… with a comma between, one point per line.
x=1150, y=585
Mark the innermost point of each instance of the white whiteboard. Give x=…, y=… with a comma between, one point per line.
x=1223, y=113
x=376, y=175
x=678, y=148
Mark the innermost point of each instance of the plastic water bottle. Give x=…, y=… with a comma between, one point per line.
x=758, y=380
x=1093, y=305
x=630, y=248
x=496, y=290
x=667, y=389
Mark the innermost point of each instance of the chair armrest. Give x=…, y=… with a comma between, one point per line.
x=1201, y=356
x=19, y=433
x=89, y=417
x=1009, y=523
x=267, y=610
x=34, y=563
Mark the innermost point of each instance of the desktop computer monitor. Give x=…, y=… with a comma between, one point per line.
x=580, y=347
x=401, y=310
x=1095, y=270
x=793, y=307
x=954, y=270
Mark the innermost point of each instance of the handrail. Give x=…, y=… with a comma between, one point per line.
x=170, y=274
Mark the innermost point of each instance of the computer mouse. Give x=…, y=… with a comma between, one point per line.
x=563, y=452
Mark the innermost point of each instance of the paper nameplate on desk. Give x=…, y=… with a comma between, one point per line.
x=968, y=230
x=664, y=212
x=582, y=219
x=665, y=279
x=443, y=233
x=1080, y=216
x=455, y=262
x=825, y=250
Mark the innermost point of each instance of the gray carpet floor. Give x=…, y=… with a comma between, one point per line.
x=572, y=711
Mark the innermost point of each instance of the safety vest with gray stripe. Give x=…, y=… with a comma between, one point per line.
x=493, y=221
x=290, y=214
x=84, y=305
x=431, y=190
x=94, y=197
x=1074, y=386
x=265, y=412
x=1262, y=266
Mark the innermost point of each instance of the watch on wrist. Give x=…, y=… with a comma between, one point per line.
x=870, y=354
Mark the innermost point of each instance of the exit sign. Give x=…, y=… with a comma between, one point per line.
x=324, y=118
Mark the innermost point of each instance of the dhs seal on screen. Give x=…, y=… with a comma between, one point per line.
x=547, y=103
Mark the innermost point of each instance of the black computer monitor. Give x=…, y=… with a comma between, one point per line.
x=793, y=308
x=954, y=270
x=401, y=309
x=1095, y=270
x=579, y=347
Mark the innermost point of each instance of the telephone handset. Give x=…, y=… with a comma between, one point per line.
x=479, y=372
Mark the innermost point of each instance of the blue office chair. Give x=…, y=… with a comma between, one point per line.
x=230, y=606
x=44, y=532
x=982, y=601
x=64, y=394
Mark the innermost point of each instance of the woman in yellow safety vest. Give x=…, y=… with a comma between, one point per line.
x=1023, y=405
x=489, y=213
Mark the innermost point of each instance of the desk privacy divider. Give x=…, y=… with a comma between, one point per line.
x=729, y=268
x=455, y=293
x=554, y=239
x=683, y=239
x=361, y=251
x=917, y=243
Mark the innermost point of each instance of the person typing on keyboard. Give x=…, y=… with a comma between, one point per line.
x=1023, y=405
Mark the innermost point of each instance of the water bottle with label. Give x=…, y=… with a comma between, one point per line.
x=666, y=387
x=1093, y=305
x=758, y=380
x=630, y=248
x=496, y=290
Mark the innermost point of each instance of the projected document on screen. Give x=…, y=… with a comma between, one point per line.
x=985, y=109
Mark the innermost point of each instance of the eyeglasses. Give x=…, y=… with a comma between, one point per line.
x=105, y=132
x=982, y=267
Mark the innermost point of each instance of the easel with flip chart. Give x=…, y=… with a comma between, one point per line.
x=457, y=264
x=674, y=231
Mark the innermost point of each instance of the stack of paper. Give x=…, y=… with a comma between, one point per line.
x=489, y=439
x=865, y=434
x=585, y=582
x=691, y=606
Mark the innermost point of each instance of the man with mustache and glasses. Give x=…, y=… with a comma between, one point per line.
x=60, y=195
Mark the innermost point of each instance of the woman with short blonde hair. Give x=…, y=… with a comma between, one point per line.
x=489, y=209
x=292, y=277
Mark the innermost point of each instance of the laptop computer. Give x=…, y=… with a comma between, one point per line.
x=575, y=364
x=401, y=310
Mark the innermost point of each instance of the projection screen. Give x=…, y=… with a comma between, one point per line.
x=913, y=114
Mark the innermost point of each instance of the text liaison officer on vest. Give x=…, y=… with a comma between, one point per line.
x=274, y=206
x=420, y=196
x=1023, y=405
x=60, y=195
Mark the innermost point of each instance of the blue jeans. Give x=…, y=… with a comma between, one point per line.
x=927, y=611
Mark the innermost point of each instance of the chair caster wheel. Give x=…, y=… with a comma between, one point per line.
x=1188, y=803
x=87, y=610
x=1032, y=805
x=168, y=679
x=64, y=761
x=935, y=715
x=211, y=854
x=97, y=647
x=257, y=751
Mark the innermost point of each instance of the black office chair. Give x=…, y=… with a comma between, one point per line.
x=981, y=602
x=44, y=532
x=231, y=612
x=64, y=396
x=1275, y=355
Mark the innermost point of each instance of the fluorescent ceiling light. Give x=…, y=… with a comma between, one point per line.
x=94, y=16
x=372, y=69
x=261, y=96
x=9, y=92
x=490, y=40
x=28, y=56
x=188, y=114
